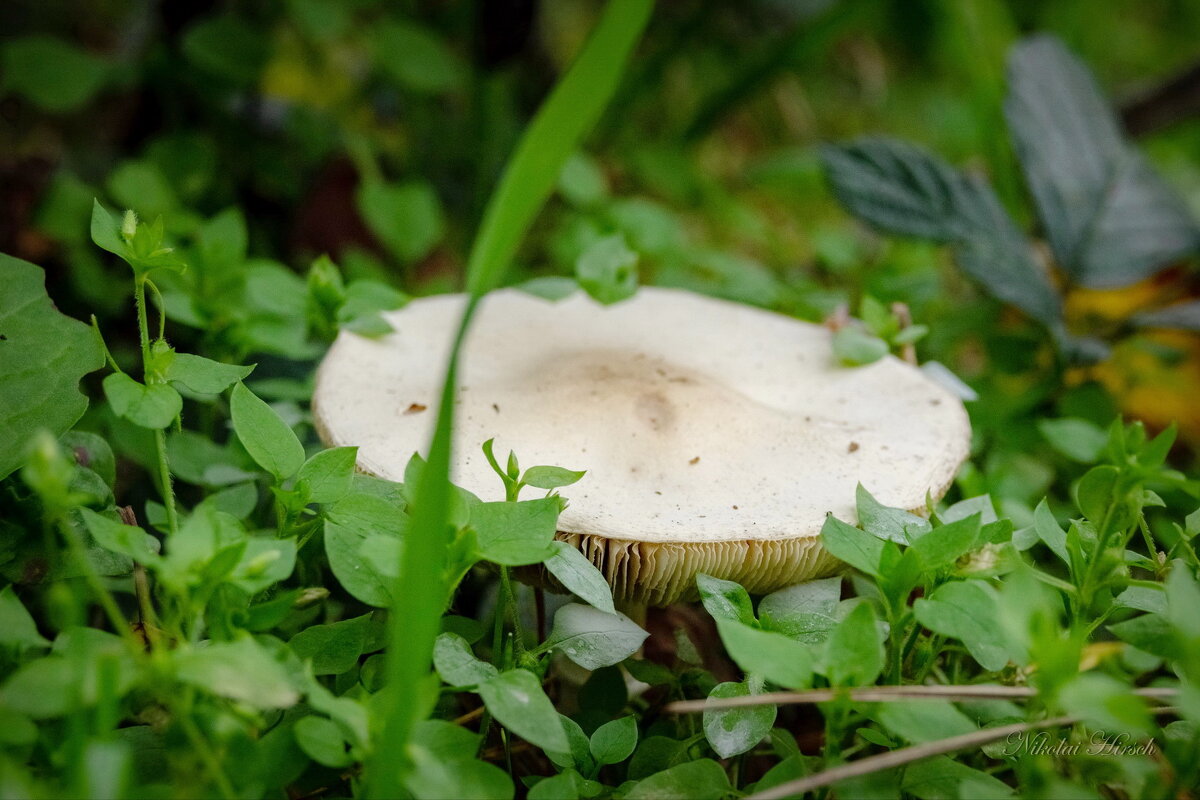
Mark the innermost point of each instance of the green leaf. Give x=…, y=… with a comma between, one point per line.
x=415, y=57
x=904, y=190
x=1109, y=218
x=923, y=720
x=515, y=534
x=128, y=540
x=1077, y=439
x=566, y=785
x=967, y=611
x=579, y=755
x=267, y=438
x=1152, y=633
x=614, y=741
x=333, y=648
x=241, y=670
x=1096, y=491
x=228, y=47
x=407, y=217
x=857, y=548
x=155, y=406
x=17, y=628
x=944, y=545
x=456, y=662
x=582, y=182
x=43, y=355
x=580, y=576
x=436, y=776
x=1047, y=529
x=204, y=376
x=853, y=653
x=725, y=599
x=774, y=656
x=551, y=477
x=804, y=611
x=703, y=779
x=607, y=270
x=892, y=524
x=942, y=778
x=353, y=557
x=854, y=347
x=329, y=474
x=594, y=639
x=55, y=75
x=322, y=741
x=515, y=698
x=733, y=731
x=265, y=562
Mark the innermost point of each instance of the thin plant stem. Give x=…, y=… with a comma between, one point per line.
x=160, y=437
x=211, y=762
x=103, y=595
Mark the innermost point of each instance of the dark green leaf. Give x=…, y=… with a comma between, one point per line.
x=457, y=664
x=121, y=538
x=924, y=720
x=407, y=217
x=1109, y=218
x=614, y=741
x=515, y=698
x=241, y=670
x=322, y=741
x=415, y=57
x=329, y=474
x=54, y=74
x=944, y=545
x=17, y=628
x=967, y=611
x=774, y=656
x=333, y=648
x=43, y=354
x=853, y=653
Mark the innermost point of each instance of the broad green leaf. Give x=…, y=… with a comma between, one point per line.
x=918, y=721
x=436, y=777
x=857, y=548
x=204, y=376
x=853, y=653
x=566, y=785
x=265, y=562
x=614, y=741
x=892, y=524
x=407, y=217
x=267, y=438
x=594, y=639
x=354, y=565
x=1152, y=633
x=515, y=534
x=43, y=355
x=703, y=779
x=942, y=778
x=1109, y=218
x=55, y=75
x=329, y=474
x=805, y=611
x=333, y=648
x=457, y=664
x=17, y=628
x=579, y=754
x=733, y=731
x=128, y=540
x=322, y=741
x=228, y=47
x=580, y=576
x=607, y=270
x=967, y=611
x=551, y=477
x=1077, y=439
x=774, y=656
x=944, y=545
x=515, y=698
x=1106, y=704
x=725, y=599
x=155, y=406
x=1096, y=491
x=241, y=670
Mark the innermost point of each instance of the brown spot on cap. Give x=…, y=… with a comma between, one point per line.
x=853, y=446
x=695, y=460
x=415, y=408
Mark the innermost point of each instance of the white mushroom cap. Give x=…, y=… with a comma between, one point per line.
x=716, y=436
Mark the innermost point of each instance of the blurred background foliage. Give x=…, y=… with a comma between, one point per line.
x=270, y=133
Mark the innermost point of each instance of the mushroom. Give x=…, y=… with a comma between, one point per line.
x=717, y=437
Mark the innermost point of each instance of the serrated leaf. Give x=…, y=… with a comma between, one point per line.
x=1109, y=218
x=43, y=355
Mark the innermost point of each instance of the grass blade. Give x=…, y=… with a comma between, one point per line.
x=554, y=134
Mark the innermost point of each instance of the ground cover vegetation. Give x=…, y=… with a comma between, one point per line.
x=199, y=599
